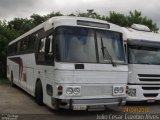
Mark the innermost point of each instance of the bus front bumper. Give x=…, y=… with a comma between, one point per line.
x=85, y=104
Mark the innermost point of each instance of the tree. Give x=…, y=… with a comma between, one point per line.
x=21, y=25
x=117, y=18
x=53, y=14
x=136, y=17
x=37, y=19
x=121, y=19
x=128, y=20
x=6, y=35
x=90, y=13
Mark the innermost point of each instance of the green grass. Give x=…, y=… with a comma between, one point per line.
x=4, y=81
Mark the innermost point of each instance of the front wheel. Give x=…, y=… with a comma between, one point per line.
x=39, y=93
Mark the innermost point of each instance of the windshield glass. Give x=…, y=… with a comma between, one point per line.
x=110, y=47
x=76, y=44
x=143, y=55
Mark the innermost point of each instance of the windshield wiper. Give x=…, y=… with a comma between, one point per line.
x=106, y=54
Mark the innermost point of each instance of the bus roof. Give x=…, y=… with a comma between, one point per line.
x=68, y=21
x=132, y=34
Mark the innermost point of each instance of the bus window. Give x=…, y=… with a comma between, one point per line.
x=18, y=46
x=49, y=44
x=41, y=51
x=49, y=58
x=12, y=49
x=31, y=41
x=42, y=45
x=45, y=52
x=23, y=44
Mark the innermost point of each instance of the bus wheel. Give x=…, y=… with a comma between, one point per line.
x=12, y=83
x=39, y=93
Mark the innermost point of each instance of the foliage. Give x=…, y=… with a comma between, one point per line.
x=121, y=19
x=4, y=81
x=90, y=13
x=6, y=35
x=20, y=25
x=133, y=17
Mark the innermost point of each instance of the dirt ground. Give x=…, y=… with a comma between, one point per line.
x=15, y=101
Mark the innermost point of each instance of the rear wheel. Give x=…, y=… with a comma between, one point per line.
x=39, y=93
x=12, y=83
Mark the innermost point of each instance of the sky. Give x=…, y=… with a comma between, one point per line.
x=10, y=9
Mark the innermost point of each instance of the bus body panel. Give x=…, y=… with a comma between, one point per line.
x=23, y=67
x=98, y=84
x=144, y=74
x=146, y=86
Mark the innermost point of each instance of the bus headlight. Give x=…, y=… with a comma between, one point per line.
x=69, y=91
x=73, y=91
x=121, y=90
x=77, y=91
x=132, y=92
x=118, y=90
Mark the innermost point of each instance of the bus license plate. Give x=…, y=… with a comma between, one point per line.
x=151, y=101
x=79, y=107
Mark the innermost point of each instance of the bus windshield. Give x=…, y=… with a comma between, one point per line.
x=144, y=55
x=76, y=44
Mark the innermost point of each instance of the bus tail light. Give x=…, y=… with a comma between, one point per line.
x=59, y=90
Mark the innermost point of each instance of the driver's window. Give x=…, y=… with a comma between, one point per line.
x=49, y=56
x=49, y=44
x=42, y=45
x=45, y=52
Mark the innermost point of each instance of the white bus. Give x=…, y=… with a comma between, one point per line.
x=70, y=62
x=143, y=49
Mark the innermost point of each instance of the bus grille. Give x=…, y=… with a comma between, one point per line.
x=150, y=95
x=149, y=77
x=151, y=88
x=97, y=90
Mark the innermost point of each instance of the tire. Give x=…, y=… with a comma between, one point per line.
x=12, y=78
x=39, y=93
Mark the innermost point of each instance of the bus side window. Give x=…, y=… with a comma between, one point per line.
x=23, y=44
x=31, y=41
x=45, y=51
x=12, y=49
x=41, y=51
x=42, y=45
x=49, y=56
x=49, y=45
x=18, y=46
